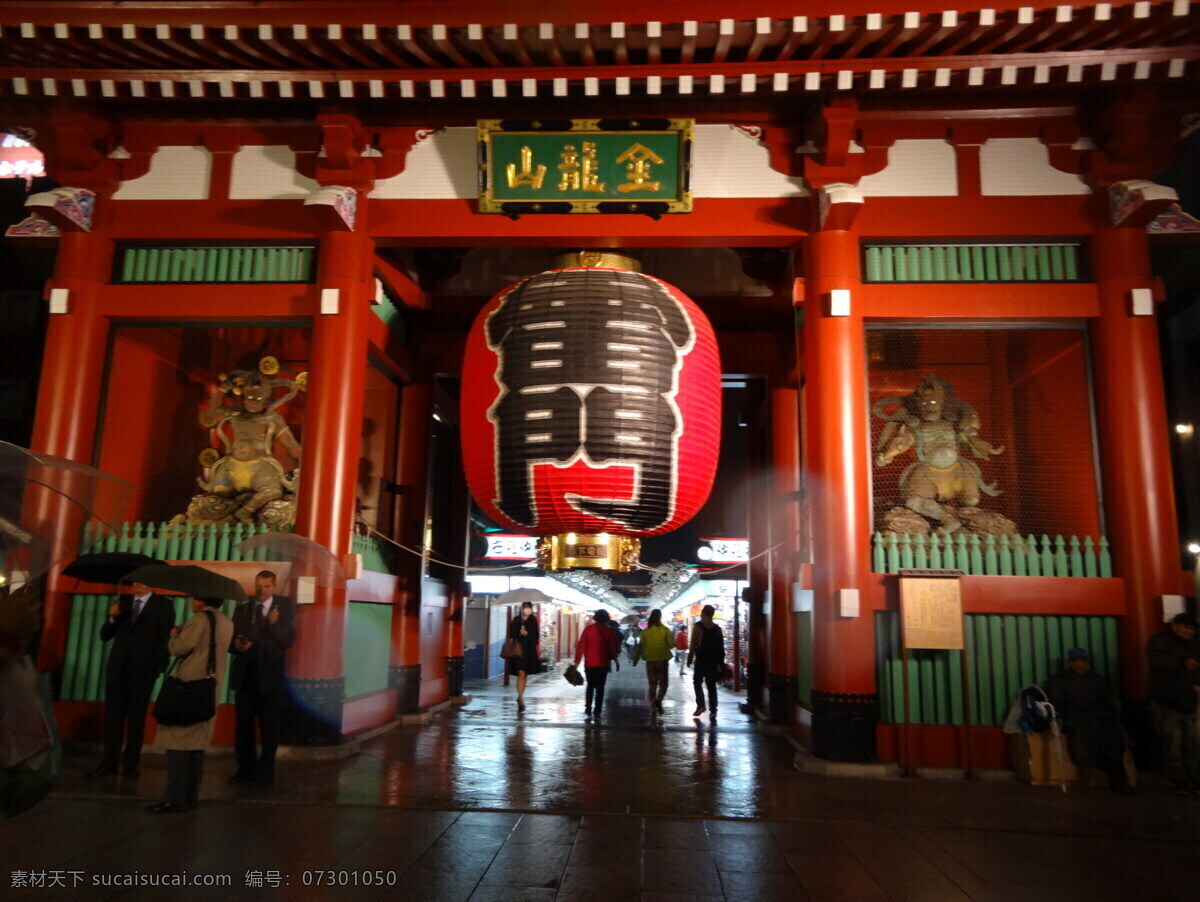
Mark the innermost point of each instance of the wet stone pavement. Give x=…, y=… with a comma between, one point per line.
x=488, y=803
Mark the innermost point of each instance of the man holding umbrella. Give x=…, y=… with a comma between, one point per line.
x=139, y=627
x=263, y=630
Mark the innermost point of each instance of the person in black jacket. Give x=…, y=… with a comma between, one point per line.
x=1174, y=660
x=263, y=630
x=139, y=626
x=706, y=653
x=1092, y=726
x=525, y=631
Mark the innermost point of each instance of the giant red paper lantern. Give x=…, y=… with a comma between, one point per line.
x=591, y=404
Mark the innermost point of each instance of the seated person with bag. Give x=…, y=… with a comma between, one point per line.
x=1091, y=724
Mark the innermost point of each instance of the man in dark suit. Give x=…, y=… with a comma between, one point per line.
x=139, y=626
x=263, y=630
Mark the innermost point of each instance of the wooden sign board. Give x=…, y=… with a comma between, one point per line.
x=931, y=612
x=585, y=166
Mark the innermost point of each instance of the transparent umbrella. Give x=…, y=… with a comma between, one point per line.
x=45, y=504
x=521, y=596
x=308, y=559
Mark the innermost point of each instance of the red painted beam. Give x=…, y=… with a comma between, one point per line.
x=716, y=222
x=699, y=70
x=425, y=13
x=967, y=301
x=1076, y=596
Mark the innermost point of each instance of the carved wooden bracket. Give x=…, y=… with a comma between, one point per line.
x=1133, y=140
x=1138, y=202
x=348, y=158
x=69, y=208
x=336, y=206
x=838, y=206
x=77, y=147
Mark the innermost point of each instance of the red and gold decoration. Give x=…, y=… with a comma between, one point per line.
x=591, y=411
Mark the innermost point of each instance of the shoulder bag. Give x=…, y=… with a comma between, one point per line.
x=181, y=703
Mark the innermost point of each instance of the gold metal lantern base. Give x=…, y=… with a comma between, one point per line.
x=594, y=551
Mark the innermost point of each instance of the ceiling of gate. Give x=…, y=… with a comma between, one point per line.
x=460, y=51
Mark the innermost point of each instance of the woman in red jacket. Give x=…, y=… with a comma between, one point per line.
x=596, y=648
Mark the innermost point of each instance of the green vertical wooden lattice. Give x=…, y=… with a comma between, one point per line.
x=209, y=264
x=942, y=262
x=1004, y=653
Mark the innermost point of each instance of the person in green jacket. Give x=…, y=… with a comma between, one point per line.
x=656, y=647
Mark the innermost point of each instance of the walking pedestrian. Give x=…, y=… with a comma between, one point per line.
x=706, y=654
x=619, y=635
x=207, y=631
x=631, y=644
x=656, y=647
x=524, y=629
x=597, y=647
x=681, y=644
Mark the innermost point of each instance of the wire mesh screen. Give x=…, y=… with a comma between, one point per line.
x=982, y=432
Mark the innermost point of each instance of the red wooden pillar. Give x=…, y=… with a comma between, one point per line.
x=416, y=415
x=785, y=535
x=68, y=402
x=329, y=471
x=759, y=572
x=845, y=701
x=1134, y=453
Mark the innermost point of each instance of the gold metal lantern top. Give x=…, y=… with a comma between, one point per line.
x=593, y=551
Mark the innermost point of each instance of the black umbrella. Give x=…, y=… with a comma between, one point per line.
x=189, y=579
x=107, y=566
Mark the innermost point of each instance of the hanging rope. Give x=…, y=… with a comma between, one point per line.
x=436, y=559
x=641, y=566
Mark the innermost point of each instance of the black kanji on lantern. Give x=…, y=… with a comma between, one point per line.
x=588, y=366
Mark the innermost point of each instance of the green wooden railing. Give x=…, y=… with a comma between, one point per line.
x=182, y=542
x=992, y=555
x=1004, y=653
x=86, y=655
x=83, y=667
x=393, y=317
x=210, y=264
x=944, y=262
x=378, y=555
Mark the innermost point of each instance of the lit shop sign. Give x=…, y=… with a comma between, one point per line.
x=19, y=159
x=723, y=551
x=585, y=166
x=502, y=547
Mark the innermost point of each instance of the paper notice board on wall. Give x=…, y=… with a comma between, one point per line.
x=931, y=612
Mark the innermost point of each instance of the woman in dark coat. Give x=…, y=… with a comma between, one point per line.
x=524, y=629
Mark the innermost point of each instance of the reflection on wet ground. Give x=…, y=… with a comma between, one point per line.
x=488, y=803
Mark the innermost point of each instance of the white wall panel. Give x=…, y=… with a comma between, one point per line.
x=441, y=167
x=917, y=167
x=176, y=173
x=1021, y=166
x=726, y=162
x=268, y=172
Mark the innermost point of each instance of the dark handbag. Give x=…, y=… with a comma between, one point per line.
x=181, y=703
x=572, y=675
x=512, y=649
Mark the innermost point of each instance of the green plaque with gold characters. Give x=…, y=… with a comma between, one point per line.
x=585, y=166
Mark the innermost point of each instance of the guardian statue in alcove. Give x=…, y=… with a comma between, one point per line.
x=941, y=485
x=244, y=481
